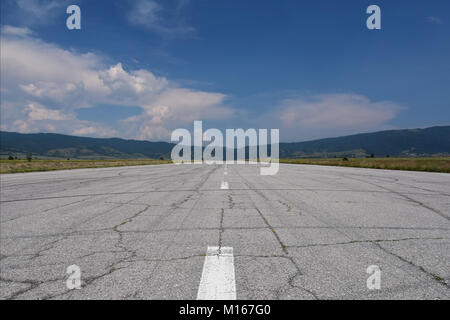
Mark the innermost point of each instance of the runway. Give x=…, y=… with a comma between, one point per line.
x=309, y=232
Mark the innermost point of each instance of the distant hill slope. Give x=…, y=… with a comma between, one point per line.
x=410, y=142
x=63, y=146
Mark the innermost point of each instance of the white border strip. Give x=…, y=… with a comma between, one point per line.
x=218, y=282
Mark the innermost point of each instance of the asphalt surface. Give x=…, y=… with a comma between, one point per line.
x=309, y=232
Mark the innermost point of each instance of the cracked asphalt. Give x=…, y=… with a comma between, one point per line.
x=309, y=232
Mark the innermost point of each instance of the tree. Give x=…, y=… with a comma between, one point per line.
x=10, y=157
x=29, y=157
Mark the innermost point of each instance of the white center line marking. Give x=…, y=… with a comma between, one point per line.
x=224, y=185
x=218, y=282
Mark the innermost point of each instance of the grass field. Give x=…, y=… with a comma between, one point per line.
x=413, y=164
x=17, y=166
x=441, y=164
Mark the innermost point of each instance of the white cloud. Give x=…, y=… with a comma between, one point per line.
x=36, y=12
x=434, y=20
x=15, y=31
x=40, y=8
x=44, y=70
x=185, y=105
x=336, y=111
x=20, y=126
x=94, y=131
x=157, y=17
x=38, y=112
x=330, y=115
x=34, y=117
x=46, y=84
x=141, y=84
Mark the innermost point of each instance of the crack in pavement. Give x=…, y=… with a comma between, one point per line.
x=408, y=198
x=197, y=187
x=298, y=272
x=46, y=210
x=150, y=231
x=430, y=274
x=377, y=244
x=363, y=241
x=203, y=190
x=220, y=232
x=124, y=255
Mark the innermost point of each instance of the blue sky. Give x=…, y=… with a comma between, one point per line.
x=142, y=68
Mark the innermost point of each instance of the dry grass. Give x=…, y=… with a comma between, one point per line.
x=441, y=164
x=18, y=166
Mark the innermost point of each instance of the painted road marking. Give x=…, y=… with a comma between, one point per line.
x=224, y=185
x=218, y=282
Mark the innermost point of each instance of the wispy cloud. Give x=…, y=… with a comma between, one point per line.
x=34, y=12
x=162, y=17
x=16, y=31
x=435, y=20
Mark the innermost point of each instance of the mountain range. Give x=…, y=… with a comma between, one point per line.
x=433, y=141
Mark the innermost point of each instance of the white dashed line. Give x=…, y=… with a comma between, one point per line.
x=224, y=185
x=218, y=282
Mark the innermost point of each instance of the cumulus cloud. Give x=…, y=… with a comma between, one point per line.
x=43, y=83
x=330, y=115
x=336, y=111
x=44, y=70
x=29, y=117
x=94, y=131
x=38, y=112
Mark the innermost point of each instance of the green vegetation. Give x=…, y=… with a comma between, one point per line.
x=58, y=146
x=17, y=166
x=429, y=142
x=438, y=164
